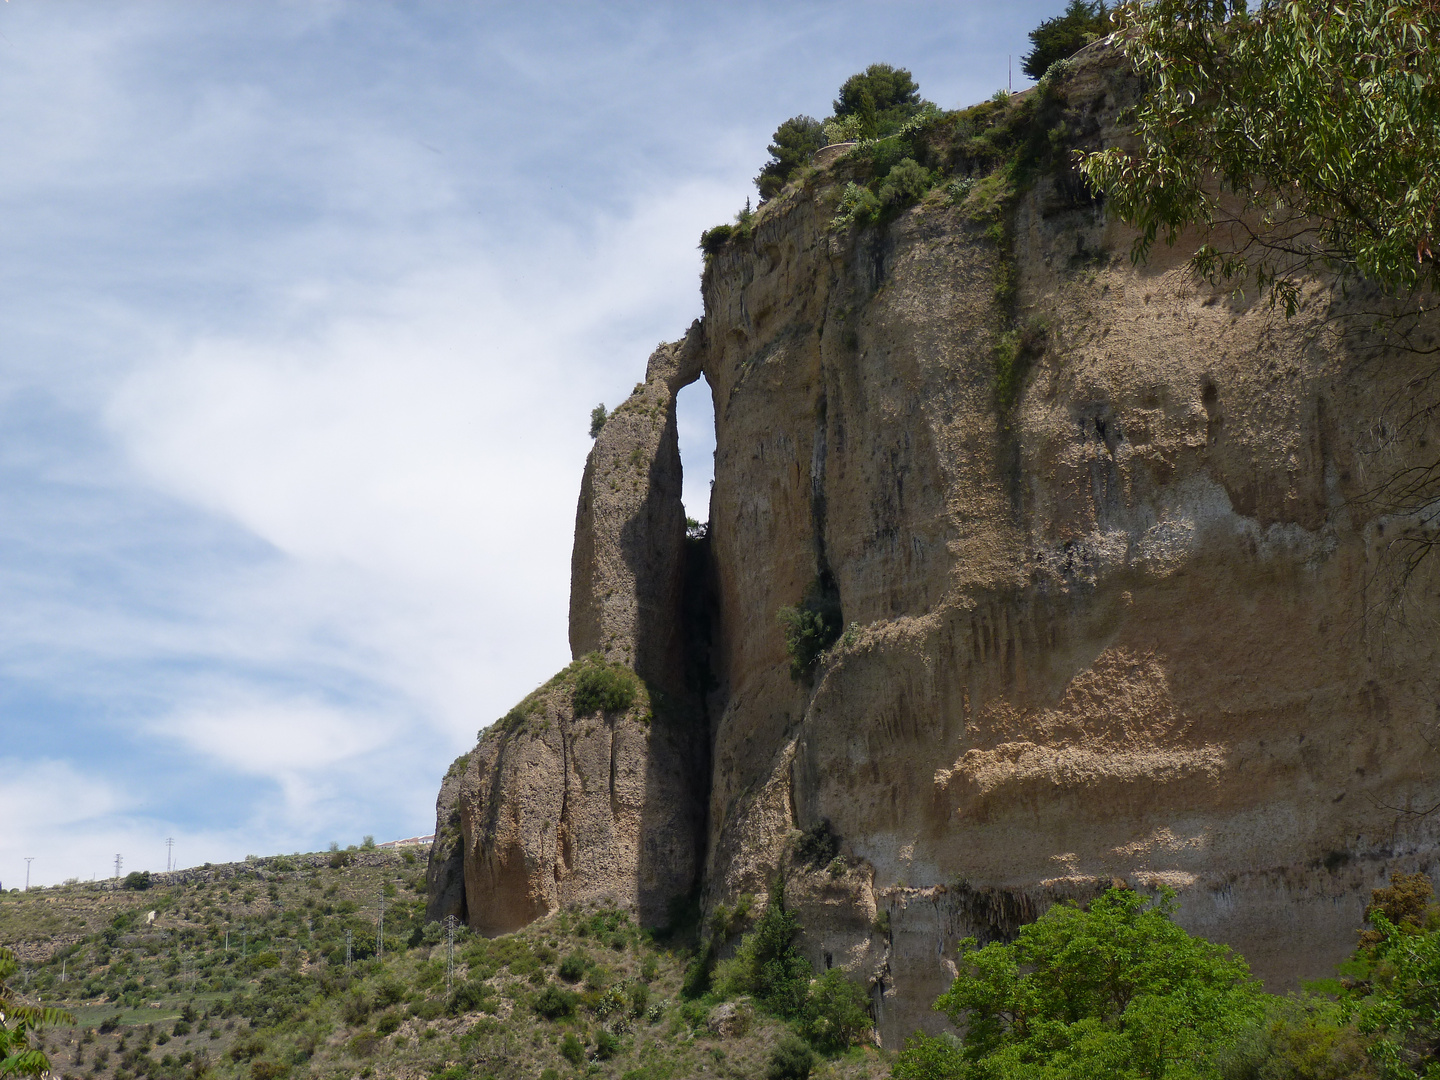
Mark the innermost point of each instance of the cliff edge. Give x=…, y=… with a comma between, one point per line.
x=1119, y=603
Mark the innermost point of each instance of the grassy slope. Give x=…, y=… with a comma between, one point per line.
x=290, y=1006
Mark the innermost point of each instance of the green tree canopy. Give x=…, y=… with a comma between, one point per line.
x=793, y=143
x=881, y=97
x=1116, y=991
x=1065, y=35
x=1299, y=135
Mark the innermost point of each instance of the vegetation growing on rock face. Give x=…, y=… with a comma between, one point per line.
x=604, y=687
x=811, y=627
x=593, y=685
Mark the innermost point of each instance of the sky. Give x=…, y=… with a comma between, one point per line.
x=303, y=311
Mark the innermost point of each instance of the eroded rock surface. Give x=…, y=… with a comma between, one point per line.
x=1138, y=624
x=557, y=808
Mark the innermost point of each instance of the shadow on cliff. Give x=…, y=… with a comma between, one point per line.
x=674, y=630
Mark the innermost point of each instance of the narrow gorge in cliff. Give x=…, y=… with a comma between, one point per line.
x=1030, y=570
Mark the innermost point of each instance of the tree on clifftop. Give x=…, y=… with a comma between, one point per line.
x=794, y=142
x=881, y=98
x=1065, y=35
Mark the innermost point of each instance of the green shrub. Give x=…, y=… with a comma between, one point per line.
x=137, y=879
x=607, y=1045
x=926, y=1058
x=712, y=241
x=639, y=998
x=572, y=1050
x=811, y=627
x=471, y=996
x=836, y=1013
x=818, y=844
x=904, y=185
x=572, y=968
x=388, y=1023
x=549, y=1074
x=604, y=687
x=553, y=1002
x=428, y=1009
x=790, y=1060
x=858, y=206
x=598, y=416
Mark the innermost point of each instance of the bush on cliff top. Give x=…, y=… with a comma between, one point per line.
x=604, y=687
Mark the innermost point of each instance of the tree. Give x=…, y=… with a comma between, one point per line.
x=1065, y=35
x=17, y=1021
x=1117, y=990
x=598, y=415
x=881, y=97
x=793, y=144
x=768, y=964
x=1301, y=135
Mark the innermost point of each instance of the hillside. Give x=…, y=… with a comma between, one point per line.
x=243, y=973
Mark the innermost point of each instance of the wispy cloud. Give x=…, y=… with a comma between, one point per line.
x=303, y=308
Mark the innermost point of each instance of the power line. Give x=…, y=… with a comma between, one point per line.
x=119, y=862
x=169, y=853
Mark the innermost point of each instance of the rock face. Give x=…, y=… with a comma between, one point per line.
x=1140, y=623
x=556, y=808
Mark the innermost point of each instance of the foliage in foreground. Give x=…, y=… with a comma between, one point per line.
x=1300, y=135
x=1116, y=990
x=18, y=1057
x=1119, y=991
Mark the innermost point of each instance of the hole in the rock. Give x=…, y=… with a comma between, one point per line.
x=695, y=425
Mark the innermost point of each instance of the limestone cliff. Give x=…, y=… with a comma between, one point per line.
x=558, y=808
x=1134, y=623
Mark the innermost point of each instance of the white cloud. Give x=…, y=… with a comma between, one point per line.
x=306, y=307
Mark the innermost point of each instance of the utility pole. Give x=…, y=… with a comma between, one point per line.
x=119, y=862
x=169, y=853
x=348, y=953
x=380, y=933
x=1009, y=74
x=28, y=860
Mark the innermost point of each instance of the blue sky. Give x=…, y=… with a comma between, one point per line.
x=303, y=309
